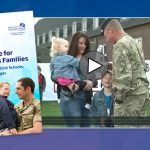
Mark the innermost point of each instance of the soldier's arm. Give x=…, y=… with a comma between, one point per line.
x=122, y=72
x=37, y=128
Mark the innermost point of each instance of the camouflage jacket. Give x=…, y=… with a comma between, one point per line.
x=28, y=114
x=129, y=77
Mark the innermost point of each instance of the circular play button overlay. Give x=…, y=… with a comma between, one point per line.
x=93, y=65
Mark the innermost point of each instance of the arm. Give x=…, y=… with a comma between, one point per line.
x=122, y=72
x=58, y=86
x=94, y=83
x=72, y=61
x=53, y=78
x=89, y=85
x=37, y=128
x=8, y=121
x=7, y=118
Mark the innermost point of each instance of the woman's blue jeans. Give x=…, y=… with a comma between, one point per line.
x=73, y=110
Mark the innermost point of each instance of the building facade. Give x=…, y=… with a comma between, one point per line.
x=46, y=28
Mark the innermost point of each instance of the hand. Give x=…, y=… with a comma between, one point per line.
x=76, y=88
x=13, y=131
x=5, y=132
x=89, y=85
x=73, y=87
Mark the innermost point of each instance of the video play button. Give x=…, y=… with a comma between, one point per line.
x=93, y=65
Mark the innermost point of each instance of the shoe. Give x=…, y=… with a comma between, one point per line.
x=87, y=106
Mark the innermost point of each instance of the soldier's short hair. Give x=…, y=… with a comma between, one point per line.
x=104, y=24
x=114, y=24
x=27, y=82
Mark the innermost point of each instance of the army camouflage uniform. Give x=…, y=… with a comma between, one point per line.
x=28, y=115
x=130, y=83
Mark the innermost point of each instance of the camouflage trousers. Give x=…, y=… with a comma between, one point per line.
x=132, y=108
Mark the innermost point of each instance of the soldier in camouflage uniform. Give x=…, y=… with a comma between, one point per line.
x=29, y=113
x=129, y=78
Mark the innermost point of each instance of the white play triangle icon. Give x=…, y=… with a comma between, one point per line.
x=93, y=65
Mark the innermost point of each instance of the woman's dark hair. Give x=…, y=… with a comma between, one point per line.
x=73, y=48
x=108, y=72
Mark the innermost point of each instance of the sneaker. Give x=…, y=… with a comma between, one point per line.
x=58, y=101
x=87, y=106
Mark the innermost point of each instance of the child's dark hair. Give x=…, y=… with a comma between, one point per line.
x=108, y=72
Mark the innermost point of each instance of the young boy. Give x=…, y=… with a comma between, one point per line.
x=102, y=103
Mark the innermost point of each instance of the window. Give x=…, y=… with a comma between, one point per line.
x=95, y=23
x=84, y=24
x=74, y=27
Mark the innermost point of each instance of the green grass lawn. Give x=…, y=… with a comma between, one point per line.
x=52, y=109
